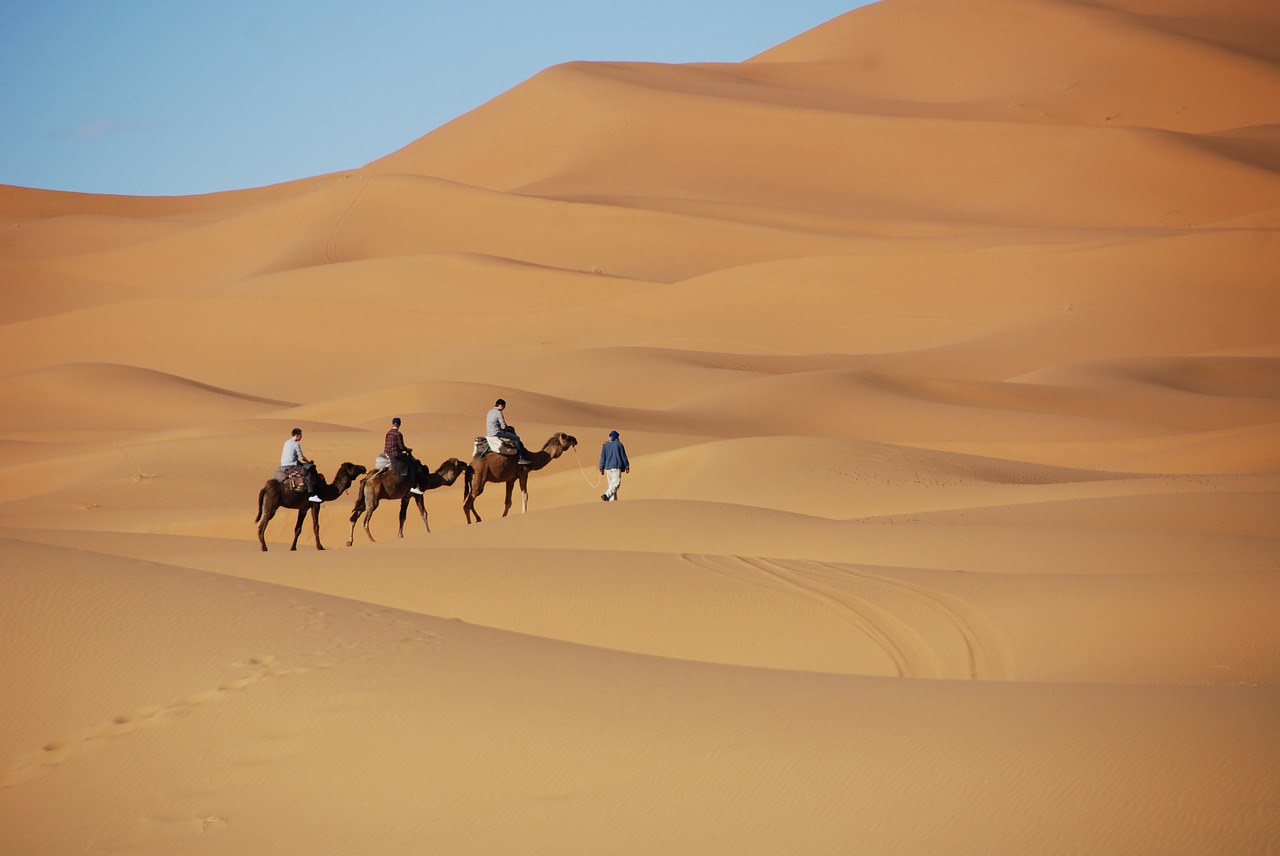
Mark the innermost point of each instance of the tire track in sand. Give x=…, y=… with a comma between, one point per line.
x=905, y=649
x=864, y=601
x=989, y=655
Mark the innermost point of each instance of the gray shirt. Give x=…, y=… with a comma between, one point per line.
x=493, y=423
x=291, y=455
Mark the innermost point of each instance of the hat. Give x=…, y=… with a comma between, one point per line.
x=613, y=435
x=395, y=421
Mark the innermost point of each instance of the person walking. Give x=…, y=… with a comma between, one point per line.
x=401, y=456
x=613, y=463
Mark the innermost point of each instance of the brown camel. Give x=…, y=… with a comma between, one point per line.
x=275, y=495
x=384, y=484
x=503, y=468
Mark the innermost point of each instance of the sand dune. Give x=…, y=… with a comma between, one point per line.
x=945, y=342
x=79, y=395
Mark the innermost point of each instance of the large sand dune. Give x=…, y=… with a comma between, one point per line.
x=945, y=343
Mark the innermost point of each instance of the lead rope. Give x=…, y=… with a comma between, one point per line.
x=583, y=470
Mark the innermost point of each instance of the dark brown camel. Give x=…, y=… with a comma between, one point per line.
x=503, y=468
x=384, y=484
x=275, y=495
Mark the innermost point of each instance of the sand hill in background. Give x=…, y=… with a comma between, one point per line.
x=945, y=343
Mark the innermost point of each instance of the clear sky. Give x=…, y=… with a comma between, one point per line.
x=176, y=97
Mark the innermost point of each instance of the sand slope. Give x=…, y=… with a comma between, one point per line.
x=945, y=343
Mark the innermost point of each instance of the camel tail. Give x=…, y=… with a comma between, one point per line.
x=261, y=494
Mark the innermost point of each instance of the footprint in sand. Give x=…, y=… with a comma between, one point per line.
x=249, y=672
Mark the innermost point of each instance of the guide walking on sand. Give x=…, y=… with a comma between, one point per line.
x=613, y=463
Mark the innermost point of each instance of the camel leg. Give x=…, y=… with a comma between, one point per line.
x=507, y=507
x=404, y=511
x=368, y=515
x=422, y=509
x=524, y=493
x=355, y=516
x=297, y=529
x=268, y=512
x=358, y=509
x=315, y=523
x=469, y=504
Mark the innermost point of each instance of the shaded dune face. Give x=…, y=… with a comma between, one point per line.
x=944, y=340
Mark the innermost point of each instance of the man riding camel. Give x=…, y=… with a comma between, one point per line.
x=291, y=457
x=401, y=456
x=495, y=425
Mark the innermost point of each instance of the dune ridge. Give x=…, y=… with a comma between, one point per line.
x=945, y=342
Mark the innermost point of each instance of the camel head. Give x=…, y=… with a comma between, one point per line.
x=563, y=442
x=451, y=469
x=348, y=473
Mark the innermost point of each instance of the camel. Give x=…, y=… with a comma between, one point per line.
x=275, y=495
x=503, y=468
x=385, y=484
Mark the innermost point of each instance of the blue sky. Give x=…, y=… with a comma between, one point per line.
x=175, y=97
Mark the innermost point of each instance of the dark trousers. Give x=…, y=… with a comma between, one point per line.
x=407, y=466
x=309, y=476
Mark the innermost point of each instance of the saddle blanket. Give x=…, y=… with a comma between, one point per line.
x=501, y=445
x=292, y=478
x=398, y=466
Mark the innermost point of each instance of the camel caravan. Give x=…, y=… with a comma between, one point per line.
x=499, y=456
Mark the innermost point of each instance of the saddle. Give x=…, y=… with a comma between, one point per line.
x=293, y=478
x=500, y=445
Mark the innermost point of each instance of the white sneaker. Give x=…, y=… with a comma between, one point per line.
x=314, y=499
x=416, y=490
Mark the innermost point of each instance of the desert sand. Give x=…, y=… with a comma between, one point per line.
x=944, y=340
